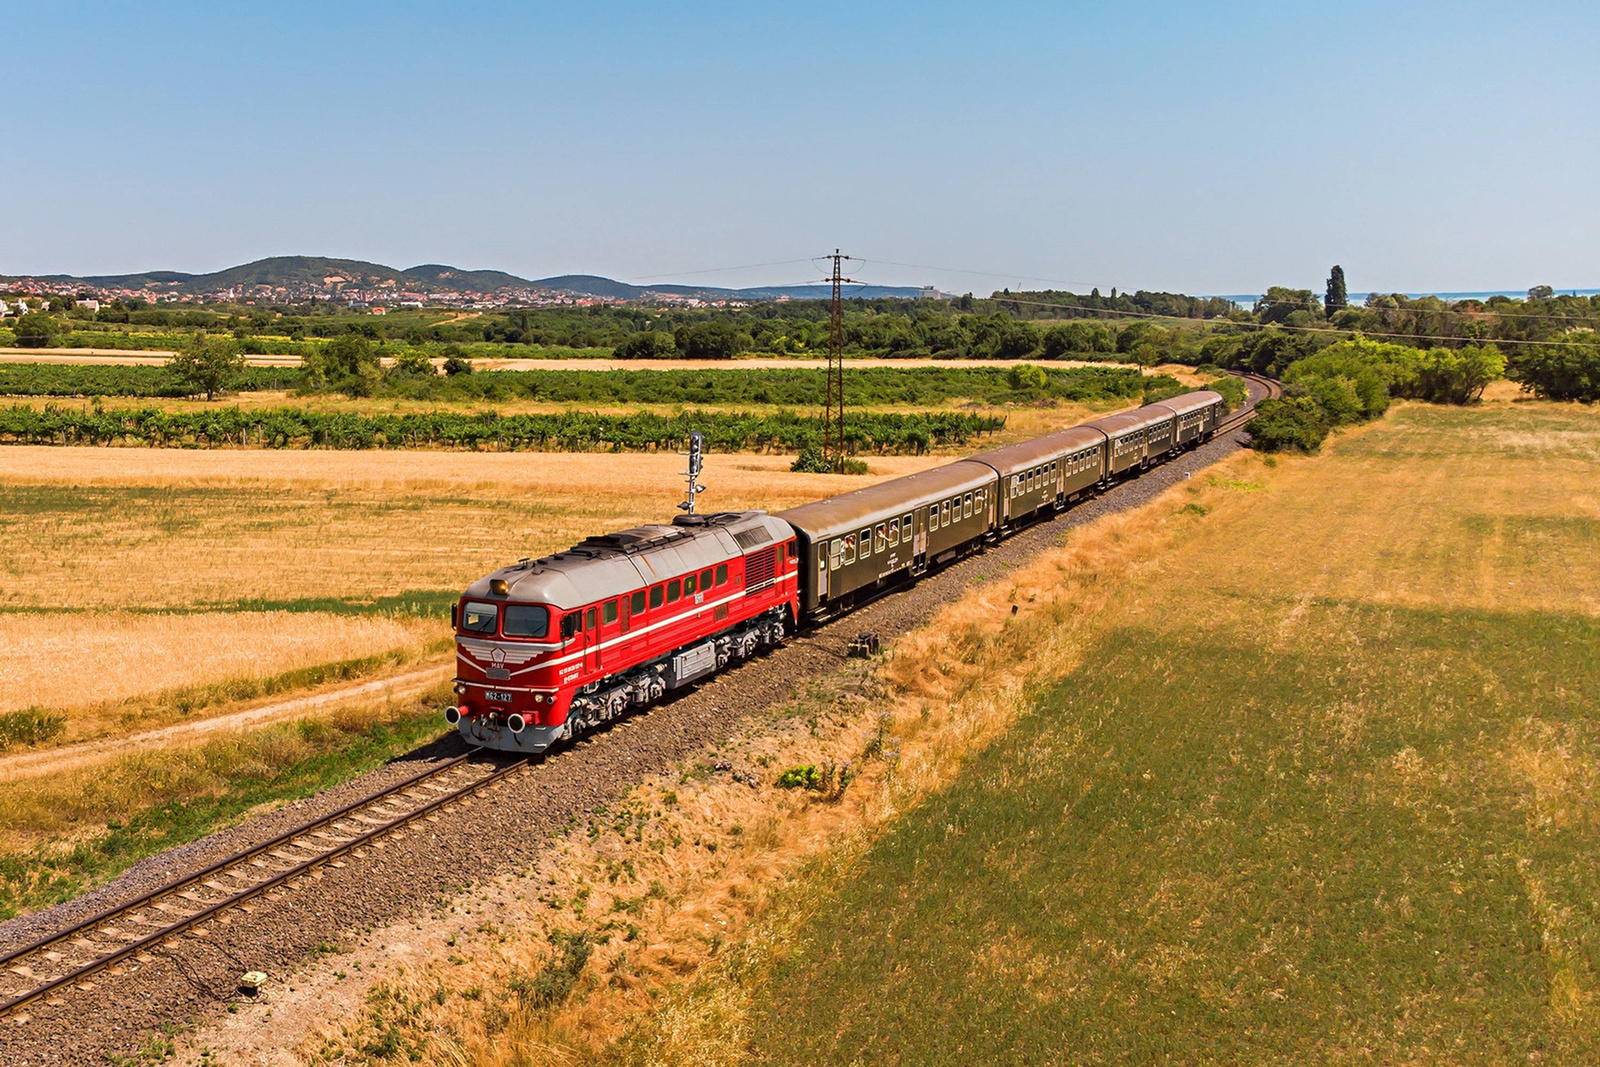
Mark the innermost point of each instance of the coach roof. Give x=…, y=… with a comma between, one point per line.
x=1185, y=403
x=1025, y=454
x=849, y=511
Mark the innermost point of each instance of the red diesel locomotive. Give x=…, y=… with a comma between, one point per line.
x=548, y=648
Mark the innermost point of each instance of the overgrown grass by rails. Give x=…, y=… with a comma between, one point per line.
x=71, y=831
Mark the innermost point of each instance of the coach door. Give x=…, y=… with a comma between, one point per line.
x=919, y=547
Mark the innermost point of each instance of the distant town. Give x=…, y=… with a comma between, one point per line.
x=377, y=289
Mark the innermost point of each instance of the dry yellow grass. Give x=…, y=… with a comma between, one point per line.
x=91, y=665
x=169, y=527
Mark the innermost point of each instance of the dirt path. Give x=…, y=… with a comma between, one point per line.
x=69, y=757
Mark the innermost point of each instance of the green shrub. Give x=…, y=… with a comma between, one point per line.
x=550, y=988
x=30, y=726
x=1291, y=423
x=811, y=460
x=35, y=330
x=647, y=344
x=805, y=776
x=454, y=365
x=1568, y=371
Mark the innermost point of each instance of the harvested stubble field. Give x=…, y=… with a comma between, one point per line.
x=1142, y=800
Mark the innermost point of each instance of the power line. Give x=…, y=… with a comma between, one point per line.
x=720, y=270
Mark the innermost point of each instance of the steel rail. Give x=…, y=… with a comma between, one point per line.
x=210, y=911
x=146, y=899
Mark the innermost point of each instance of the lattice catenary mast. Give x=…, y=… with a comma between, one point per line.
x=833, y=402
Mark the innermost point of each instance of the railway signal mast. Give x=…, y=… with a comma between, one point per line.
x=833, y=404
x=696, y=453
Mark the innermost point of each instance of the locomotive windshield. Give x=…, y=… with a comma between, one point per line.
x=526, y=620
x=479, y=618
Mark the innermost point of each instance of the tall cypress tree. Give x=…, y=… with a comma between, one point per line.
x=1337, y=299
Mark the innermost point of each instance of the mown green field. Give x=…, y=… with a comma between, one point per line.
x=1325, y=789
x=1212, y=848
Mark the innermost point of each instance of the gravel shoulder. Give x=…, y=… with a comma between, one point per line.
x=194, y=977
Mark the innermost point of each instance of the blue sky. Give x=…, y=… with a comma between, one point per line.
x=1214, y=147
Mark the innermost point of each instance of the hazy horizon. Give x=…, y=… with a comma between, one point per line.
x=1215, y=149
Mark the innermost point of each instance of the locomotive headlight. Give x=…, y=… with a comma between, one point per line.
x=499, y=587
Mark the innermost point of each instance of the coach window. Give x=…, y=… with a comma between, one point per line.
x=849, y=548
x=689, y=586
x=864, y=541
x=944, y=513
x=655, y=596
x=674, y=591
x=835, y=553
x=608, y=613
x=722, y=574
x=894, y=531
x=880, y=538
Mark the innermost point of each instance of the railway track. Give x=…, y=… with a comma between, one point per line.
x=120, y=938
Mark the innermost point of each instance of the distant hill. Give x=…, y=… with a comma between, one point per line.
x=306, y=273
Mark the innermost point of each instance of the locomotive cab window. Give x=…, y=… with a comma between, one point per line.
x=588, y=619
x=674, y=591
x=655, y=596
x=527, y=620
x=569, y=624
x=689, y=586
x=722, y=574
x=478, y=618
x=705, y=579
x=636, y=604
x=608, y=613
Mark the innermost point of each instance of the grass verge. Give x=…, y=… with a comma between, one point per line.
x=76, y=830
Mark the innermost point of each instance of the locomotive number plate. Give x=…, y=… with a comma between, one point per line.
x=495, y=696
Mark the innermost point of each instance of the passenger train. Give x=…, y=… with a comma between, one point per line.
x=548, y=648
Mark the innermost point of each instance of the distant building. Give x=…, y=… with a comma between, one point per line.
x=378, y=310
x=89, y=305
x=928, y=292
x=5, y=309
